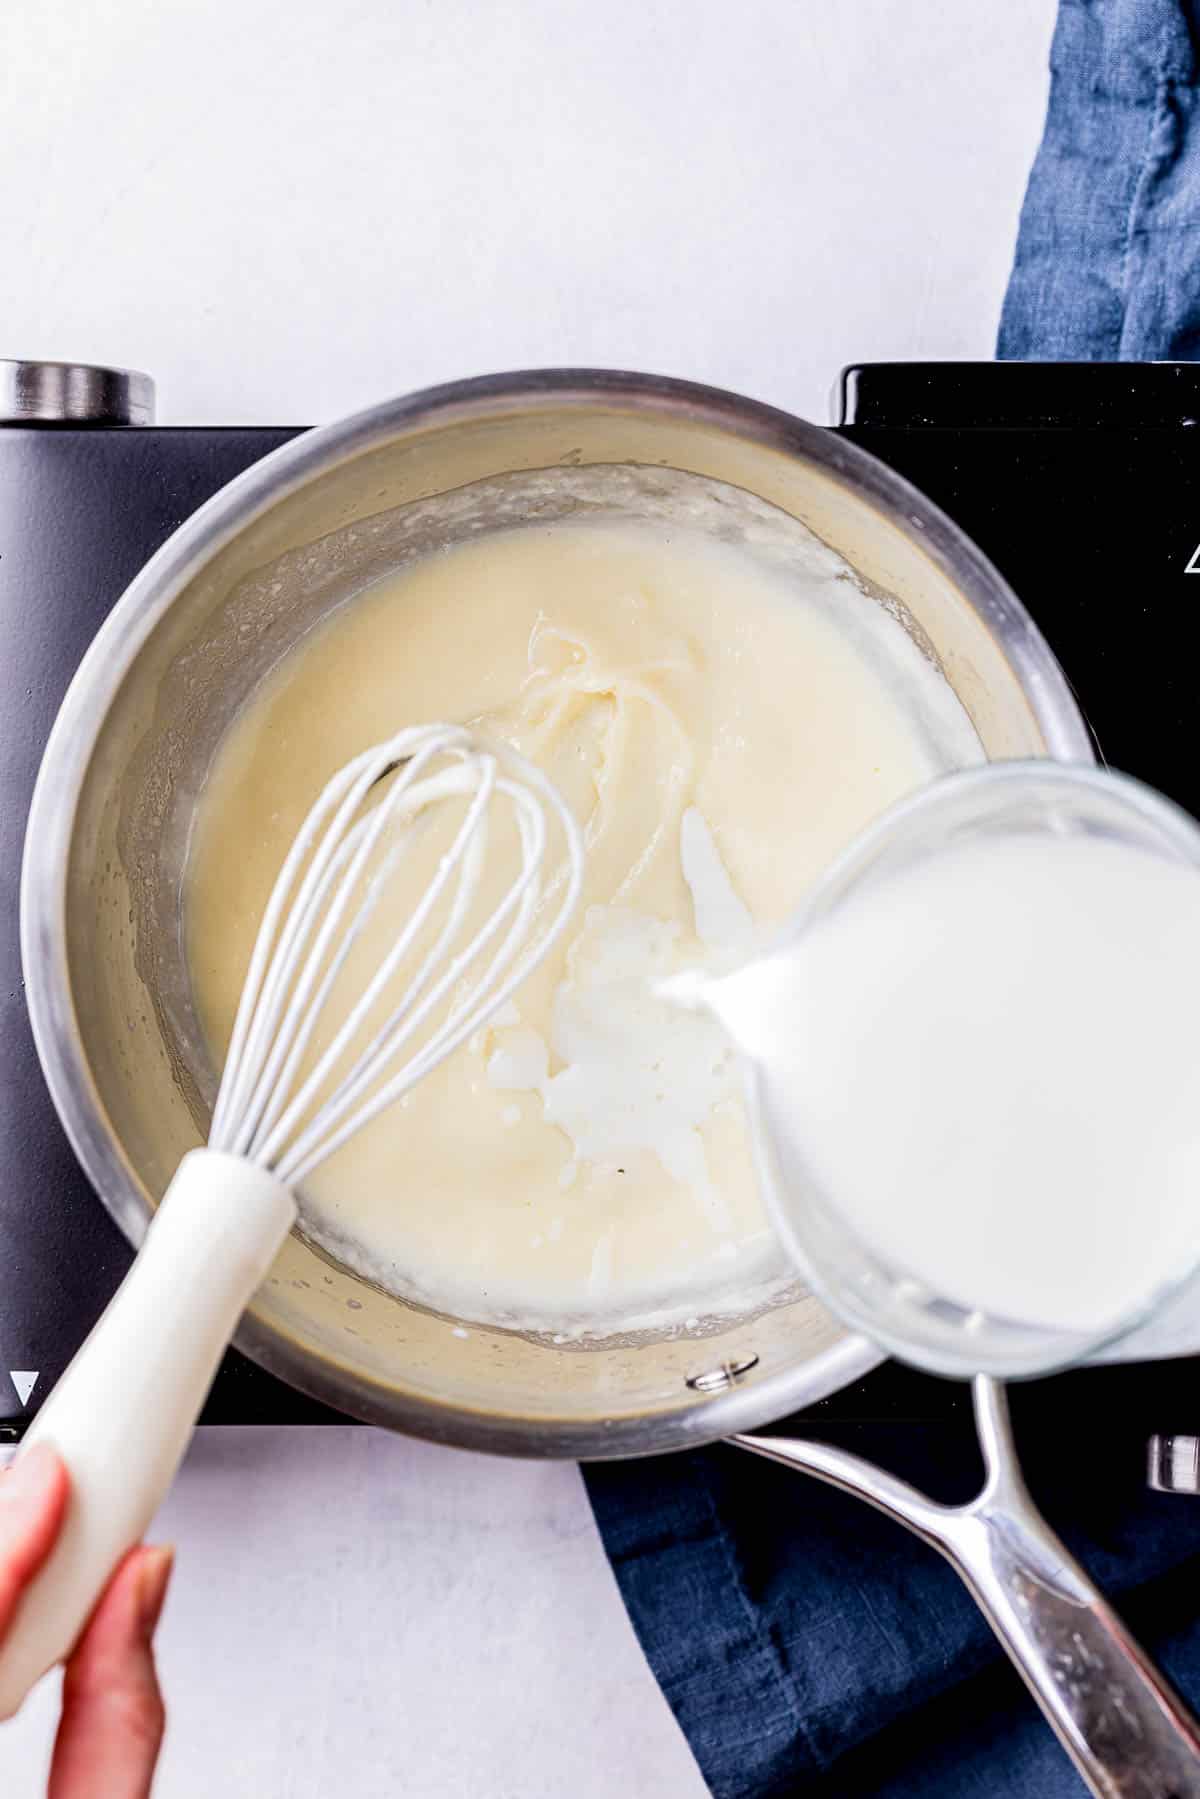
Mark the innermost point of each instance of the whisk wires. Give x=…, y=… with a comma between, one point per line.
x=330, y=886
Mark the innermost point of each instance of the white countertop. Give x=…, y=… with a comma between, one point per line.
x=285, y=210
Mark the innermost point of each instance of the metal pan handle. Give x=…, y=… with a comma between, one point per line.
x=1126, y=1730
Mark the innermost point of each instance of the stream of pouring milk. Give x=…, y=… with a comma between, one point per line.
x=989, y=1062
x=722, y=721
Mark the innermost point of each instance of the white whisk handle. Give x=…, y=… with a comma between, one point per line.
x=122, y=1413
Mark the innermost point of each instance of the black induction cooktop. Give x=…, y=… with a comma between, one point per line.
x=1080, y=481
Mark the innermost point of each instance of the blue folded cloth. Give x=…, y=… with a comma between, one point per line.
x=805, y=1643
x=1109, y=244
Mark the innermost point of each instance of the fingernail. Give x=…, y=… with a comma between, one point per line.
x=153, y=1575
x=31, y=1476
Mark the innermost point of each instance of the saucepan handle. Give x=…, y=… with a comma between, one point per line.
x=122, y=1413
x=1128, y=1732
x=1126, y=1729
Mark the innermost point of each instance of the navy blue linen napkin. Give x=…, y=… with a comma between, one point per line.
x=805, y=1643
x=1108, y=255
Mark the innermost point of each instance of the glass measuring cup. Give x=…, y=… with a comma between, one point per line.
x=867, y=1287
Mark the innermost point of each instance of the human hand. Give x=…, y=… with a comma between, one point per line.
x=112, y=1711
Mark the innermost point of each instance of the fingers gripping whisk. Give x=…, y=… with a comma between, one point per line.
x=449, y=966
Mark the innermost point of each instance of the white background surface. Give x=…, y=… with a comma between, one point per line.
x=286, y=209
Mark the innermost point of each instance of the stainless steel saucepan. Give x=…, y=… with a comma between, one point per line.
x=230, y=593
x=226, y=596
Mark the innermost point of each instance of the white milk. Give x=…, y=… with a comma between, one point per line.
x=990, y=1063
